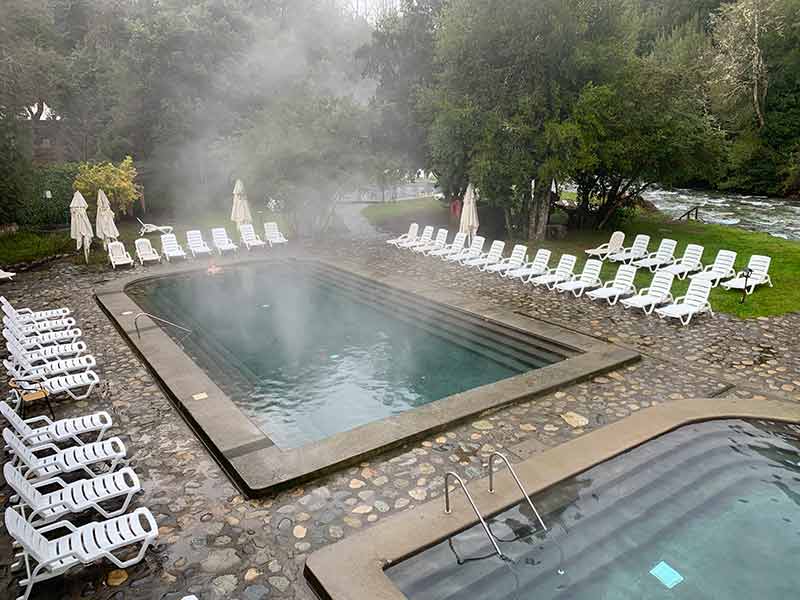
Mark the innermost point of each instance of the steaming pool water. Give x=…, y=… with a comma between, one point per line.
x=305, y=359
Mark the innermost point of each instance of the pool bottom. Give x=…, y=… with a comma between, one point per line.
x=708, y=511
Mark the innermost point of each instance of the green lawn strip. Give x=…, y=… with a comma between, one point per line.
x=785, y=270
x=27, y=246
x=420, y=209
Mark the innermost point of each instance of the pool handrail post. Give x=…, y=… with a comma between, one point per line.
x=155, y=318
x=511, y=470
x=474, y=507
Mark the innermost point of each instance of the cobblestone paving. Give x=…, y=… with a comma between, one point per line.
x=218, y=545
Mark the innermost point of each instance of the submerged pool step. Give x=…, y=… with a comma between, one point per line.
x=484, y=334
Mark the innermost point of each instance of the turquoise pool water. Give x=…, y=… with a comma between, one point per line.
x=305, y=359
x=710, y=511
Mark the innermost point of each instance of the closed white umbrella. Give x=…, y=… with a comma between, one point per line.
x=80, y=229
x=469, y=214
x=241, y=209
x=104, y=225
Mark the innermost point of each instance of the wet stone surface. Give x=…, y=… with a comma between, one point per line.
x=216, y=544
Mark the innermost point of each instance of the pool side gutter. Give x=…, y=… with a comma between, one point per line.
x=257, y=465
x=353, y=569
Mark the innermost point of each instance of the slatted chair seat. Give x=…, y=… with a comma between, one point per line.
x=145, y=251
x=26, y=315
x=474, y=250
x=42, y=355
x=690, y=262
x=659, y=292
x=621, y=286
x=249, y=237
x=564, y=271
x=440, y=241
x=22, y=370
x=22, y=330
x=721, y=269
x=459, y=241
x=40, y=429
x=587, y=280
x=118, y=255
x=425, y=238
x=44, y=339
x=197, y=245
x=758, y=274
x=273, y=235
x=539, y=266
x=221, y=241
x=635, y=252
x=516, y=260
x=695, y=302
x=664, y=256
x=170, y=247
x=492, y=257
x=413, y=230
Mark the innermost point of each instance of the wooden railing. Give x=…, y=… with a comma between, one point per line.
x=692, y=213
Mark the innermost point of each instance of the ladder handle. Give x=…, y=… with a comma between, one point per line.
x=474, y=508
x=502, y=457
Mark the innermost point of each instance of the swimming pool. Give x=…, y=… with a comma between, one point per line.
x=305, y=358
x=711, y=510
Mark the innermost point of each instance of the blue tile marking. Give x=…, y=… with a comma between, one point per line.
x=666, y=575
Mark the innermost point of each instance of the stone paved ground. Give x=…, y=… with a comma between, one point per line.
x=218, y=545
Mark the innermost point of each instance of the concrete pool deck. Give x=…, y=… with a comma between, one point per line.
x=217, y=544
x=258, y=466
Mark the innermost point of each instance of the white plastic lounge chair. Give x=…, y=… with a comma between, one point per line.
x=26, y=315
x=44, y=340
x=519, y=255
x=170, y=247
x=20, y=369
x=690, y=262
x=494, y=256
x=758, y=275
x=249, y=237
x=475, y=250
x=31, y=328
x=695, y=302
x=150, y=228
x=721, y=269
x=72, y=498
x=273, y=235
x=413, y=230
x=440, y=241
x=223, y=244
x=118, y=255
x=563, y=272
x=621, y=286
x=145, y=251
x=635, y=252
x=659, y=292
x=62, y=384
x=63, y=430
x=614, y=245
x=197, y=245
x=589, y=279
x=424, y=239
x=664, y=256
x=69, y=460
x=7, y=275
x=539, y=266
x=44, y=355
x=450, y=249
x=82, y=545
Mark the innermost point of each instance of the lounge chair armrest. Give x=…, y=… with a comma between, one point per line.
x=608, y=284
x=644, y=291
x=44, y=418
x=600, y=248
x=58, y=525
x=51, y=481
x=46, y=447
x=23, y=311
x=679, y=299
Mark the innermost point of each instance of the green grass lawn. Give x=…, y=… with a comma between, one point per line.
x=27, y=246
x=422, y=208
x=785, y=270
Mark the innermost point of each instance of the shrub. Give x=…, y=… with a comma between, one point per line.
x=38, y=211
x=117, y=181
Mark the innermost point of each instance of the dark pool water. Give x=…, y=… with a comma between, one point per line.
x=713, y=508
x=304, y=359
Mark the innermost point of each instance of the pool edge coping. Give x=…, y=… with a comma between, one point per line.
x=354, y=568
x=249, y=457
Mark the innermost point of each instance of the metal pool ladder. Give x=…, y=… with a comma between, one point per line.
x=159, y=319
x=474, y=508
x=511, y=470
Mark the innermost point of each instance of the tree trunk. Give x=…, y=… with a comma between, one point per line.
x=539, y=215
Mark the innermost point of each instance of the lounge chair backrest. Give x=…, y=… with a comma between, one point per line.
x=441, y=237
x=413, y=230
x=518, y=254
x=693, y=255
x=271, y=230
x=21, y=451
x=143, y=247
x=116, y=249
x=12, y=314
x=169, y=242
x=724, y=261
x=195, y=239
x=34, y=543
x=496, y=250
x=5, y=303
x=566, y=265
x=616, y=242
x=759, y=264
x=640, y=244
x=27, y=493
x=220, y=236
x=541, y=260
x=247, y=231
x=459, y=241
x=698, y=292
x=477, y=244
x=661, y=285
x=666, y=249
x=427, y=234
x=591, y=271
x=625, y=276
x=141, y=222
x=14, y=419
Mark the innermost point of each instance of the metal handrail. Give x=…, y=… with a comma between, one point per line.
x=687, y=215
x=502, y=457
x=155, y=318
x=472, y=502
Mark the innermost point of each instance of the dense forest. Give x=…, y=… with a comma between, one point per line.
x=306, y=100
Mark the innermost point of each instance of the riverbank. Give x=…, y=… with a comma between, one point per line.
x=782, y=299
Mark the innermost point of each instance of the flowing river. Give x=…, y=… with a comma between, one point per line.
x=777, y=216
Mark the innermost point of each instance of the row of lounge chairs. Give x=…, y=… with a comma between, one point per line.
x=62, y=469
x=562, y=278
x=171, y=249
